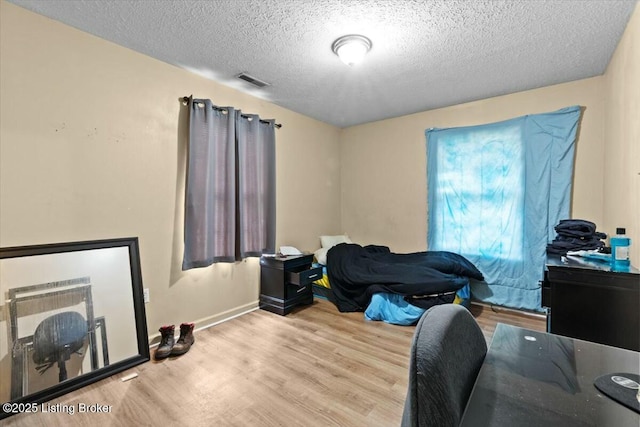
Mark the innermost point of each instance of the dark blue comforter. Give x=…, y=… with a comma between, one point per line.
x=356, y=273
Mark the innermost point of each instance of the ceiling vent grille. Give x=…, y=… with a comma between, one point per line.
x=250, y=79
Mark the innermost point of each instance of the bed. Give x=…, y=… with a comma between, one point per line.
x=391, y=287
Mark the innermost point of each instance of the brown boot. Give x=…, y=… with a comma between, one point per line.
x=166, y=342
x=185, y=341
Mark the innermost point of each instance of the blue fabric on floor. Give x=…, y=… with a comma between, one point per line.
x=392, y=308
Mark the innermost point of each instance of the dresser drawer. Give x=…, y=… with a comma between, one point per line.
x=295, y=291
x=304, y=277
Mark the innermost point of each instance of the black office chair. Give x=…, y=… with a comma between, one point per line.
x=447, y=352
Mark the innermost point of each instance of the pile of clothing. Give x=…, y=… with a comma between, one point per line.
x=576, y=235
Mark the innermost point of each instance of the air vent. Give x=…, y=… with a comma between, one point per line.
x=250, y=79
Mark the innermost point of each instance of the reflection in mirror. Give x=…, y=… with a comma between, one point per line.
x=70, y=314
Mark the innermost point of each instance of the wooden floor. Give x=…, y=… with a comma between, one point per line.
x=314, y=367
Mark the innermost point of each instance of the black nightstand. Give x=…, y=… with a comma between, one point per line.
x=285, y=282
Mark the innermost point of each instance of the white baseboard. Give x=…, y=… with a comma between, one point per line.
x=207, y=322
x=216, y=319
x=510, y=310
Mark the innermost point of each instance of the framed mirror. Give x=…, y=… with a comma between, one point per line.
x=70, y=314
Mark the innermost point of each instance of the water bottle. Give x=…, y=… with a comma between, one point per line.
x=620, y=248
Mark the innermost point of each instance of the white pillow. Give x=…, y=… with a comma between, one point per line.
x=330, y=241
x=321, y=255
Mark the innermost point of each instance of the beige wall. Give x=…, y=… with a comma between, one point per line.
x=92, y=146
x=384, y=192
x=622, y=137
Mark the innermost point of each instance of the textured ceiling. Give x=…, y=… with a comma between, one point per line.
x=425, y=54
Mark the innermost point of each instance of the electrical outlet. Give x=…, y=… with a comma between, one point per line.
x=146, y=295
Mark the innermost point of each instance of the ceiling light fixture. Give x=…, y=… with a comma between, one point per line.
x=351, y=49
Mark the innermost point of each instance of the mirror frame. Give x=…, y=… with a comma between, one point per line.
x=139, y=312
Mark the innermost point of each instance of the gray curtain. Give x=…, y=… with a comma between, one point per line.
x=256, y=184
x=230, y=187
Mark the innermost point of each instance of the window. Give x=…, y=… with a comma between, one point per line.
x=480, y=181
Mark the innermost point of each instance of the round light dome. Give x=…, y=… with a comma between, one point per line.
x=351, y=49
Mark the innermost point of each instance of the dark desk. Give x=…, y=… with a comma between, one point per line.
x=591, y=301
x=534, y=378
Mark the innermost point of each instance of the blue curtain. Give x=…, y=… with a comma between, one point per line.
x=495, y=192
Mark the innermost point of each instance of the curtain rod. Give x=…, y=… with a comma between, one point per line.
x=185, y=99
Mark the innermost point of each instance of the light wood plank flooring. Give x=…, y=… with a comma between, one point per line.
x=314, y=367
